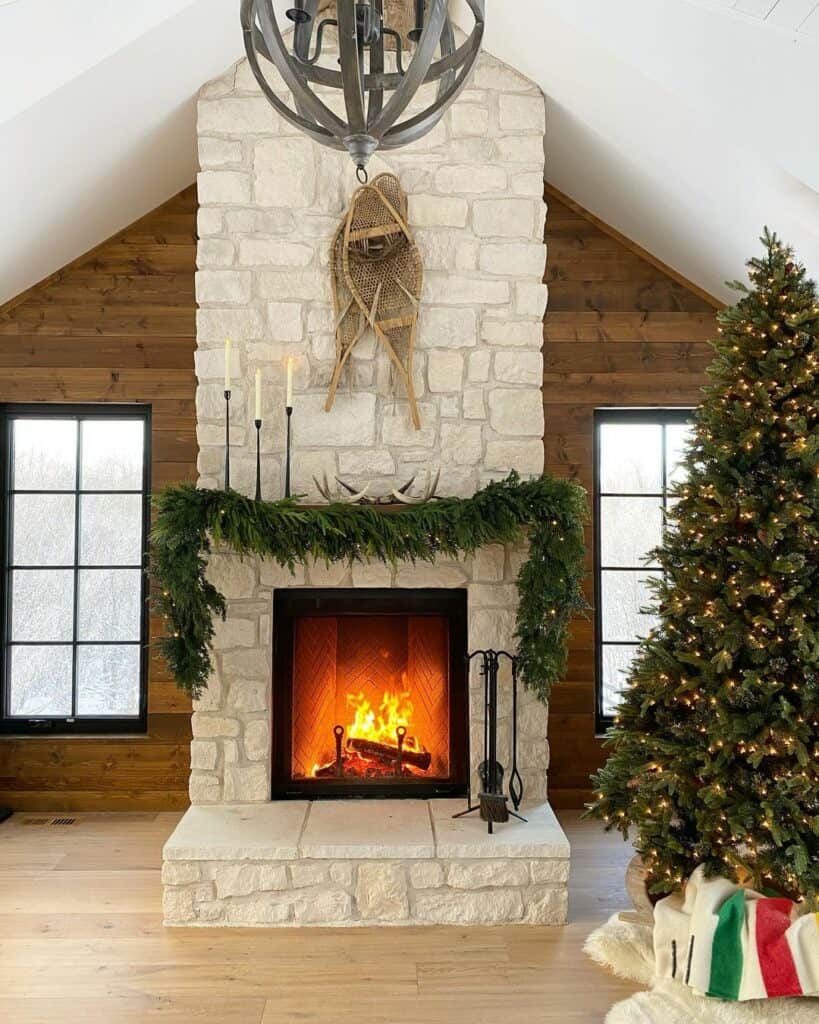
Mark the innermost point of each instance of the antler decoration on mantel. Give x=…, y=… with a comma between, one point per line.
x=348, y=495
x=377, y=275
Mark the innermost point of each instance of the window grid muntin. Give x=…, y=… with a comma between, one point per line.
x=661, y=417
x=75, y=723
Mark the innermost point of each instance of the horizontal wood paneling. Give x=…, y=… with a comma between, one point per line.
x=119, y=325
x=621, y=329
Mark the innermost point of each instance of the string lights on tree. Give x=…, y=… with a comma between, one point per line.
x=715, y=746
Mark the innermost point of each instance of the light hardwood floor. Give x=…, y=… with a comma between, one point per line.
x=81, y=940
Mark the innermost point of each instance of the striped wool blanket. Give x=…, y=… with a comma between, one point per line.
x=731, y=943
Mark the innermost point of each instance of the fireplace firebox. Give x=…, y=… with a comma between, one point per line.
x=369, y=693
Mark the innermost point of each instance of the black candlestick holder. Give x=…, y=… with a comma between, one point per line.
x=493, y=803
x=289, y=411
x=258, y=425
x=227, y=439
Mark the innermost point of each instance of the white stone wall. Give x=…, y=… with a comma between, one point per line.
x=337, y=893
x=270, y=201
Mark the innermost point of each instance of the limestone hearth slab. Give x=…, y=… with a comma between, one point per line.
x=239, y=832
x=467, y=838
x=361, y=830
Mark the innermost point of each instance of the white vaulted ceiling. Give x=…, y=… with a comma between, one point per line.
x=685, y=124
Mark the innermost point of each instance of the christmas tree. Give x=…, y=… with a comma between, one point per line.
x=715, y=745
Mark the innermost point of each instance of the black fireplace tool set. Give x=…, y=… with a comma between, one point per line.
x=493, y=803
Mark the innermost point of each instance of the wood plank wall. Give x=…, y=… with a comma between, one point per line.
x=621, y=330
x=118, y=325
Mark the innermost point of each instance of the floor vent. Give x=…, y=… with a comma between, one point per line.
x=49, y=821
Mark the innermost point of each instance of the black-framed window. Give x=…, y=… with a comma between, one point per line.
x=75, y=512
x=637, y=460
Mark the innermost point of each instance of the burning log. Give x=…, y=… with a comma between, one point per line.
x=386, y=754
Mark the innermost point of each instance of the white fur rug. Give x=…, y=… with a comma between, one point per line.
x=626, y=949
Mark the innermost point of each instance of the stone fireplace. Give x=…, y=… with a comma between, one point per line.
x=372, y=650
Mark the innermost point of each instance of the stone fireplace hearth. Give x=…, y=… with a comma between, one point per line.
x=270, y=201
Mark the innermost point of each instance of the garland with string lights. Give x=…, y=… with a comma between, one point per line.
x=547, y=512
x=715, y=758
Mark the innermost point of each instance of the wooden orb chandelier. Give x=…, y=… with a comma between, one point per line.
x=379, y=67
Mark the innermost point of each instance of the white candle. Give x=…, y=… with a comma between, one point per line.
x=258, y=394
x=289, y=401
x=227, y=364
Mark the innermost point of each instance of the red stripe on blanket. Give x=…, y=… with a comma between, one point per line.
x=773, y=918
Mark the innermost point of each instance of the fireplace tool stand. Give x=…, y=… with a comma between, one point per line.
x=493, y=803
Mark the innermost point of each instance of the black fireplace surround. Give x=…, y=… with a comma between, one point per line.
x=370, y=693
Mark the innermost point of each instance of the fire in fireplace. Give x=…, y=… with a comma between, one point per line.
x=369, y=693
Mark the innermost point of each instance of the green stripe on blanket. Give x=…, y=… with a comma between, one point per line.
x=726, y=952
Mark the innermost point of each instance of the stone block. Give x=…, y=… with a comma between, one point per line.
x=271, y=574
x=274, y=252
x=207, y=726
x=488, y=564
x=341, y=874
x=262, y=910
x=459, y=179
x=180, y=873
x=285, y=172
x=209, y=221
x=257, y=740
x=223, y=188
x=496, y=77
x=483, y=874
x=230, y=751
x=209, y=364
x=366, y=464
x=214, y=252
x=245, y=665
x=546, y=906
x=204, y=789
x=445, y=906
x=491, y=628
x=469, y=119
x=549, y=872
x=177, y=906
x=474, y=405
x=249, y=221
x=397, y=429
x=477, y=371
x=350, y=422
x=519, y=368
x=372, y=574
x=464, y=291
x=513, y=259
x=381, y=892
x=246, y=879
x=531, y=299
x=503, y=218
x=311, y=284
x=218, y=152
x=284, y=321
x=210, y=911
x=204, y=755
x=233, y=632
x=445, y=370
x=437, y=211
x=426, y=875
x=524, y=456
x=523, y=114
x=332, y=575
x=214, y=325
x=529, y=183
x=304, y=874
x=331, y=906
x=423, y=575
x=231, y=115
x=516, y=411
x=520, y=149
x=246, y=783
x=462, y=443
x=222, y=286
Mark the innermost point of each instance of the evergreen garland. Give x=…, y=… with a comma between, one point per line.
x=549, y=512
x=715, y=748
